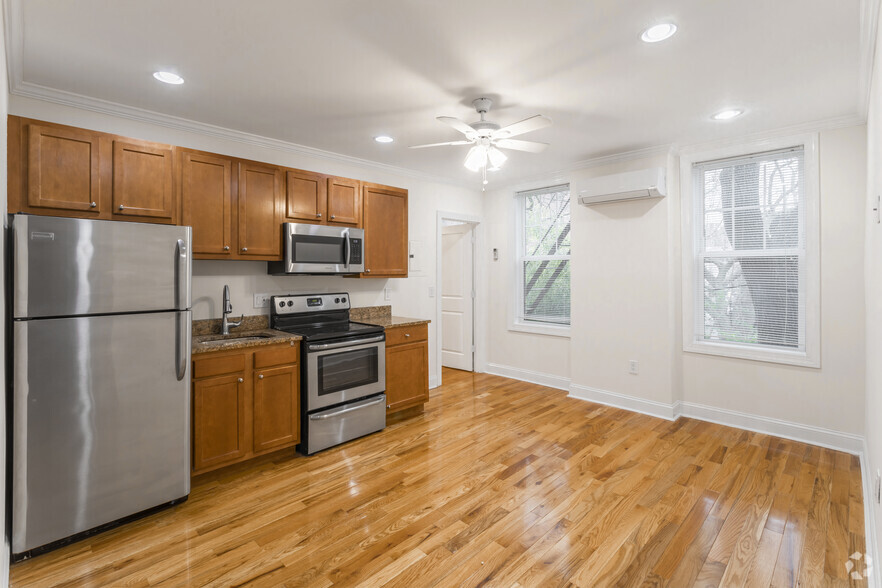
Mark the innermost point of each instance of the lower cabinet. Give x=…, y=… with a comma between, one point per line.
x=407, y=367
x=245, y=403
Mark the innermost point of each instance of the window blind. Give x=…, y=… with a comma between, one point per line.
x=750, y=243
x=544, y=255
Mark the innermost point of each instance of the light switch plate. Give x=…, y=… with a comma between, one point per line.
x=431, y=291
x=387, y=293
x=261, y=300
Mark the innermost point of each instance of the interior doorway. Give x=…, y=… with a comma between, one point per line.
x=458, y=294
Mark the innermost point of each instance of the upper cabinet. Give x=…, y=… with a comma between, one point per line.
x=143, y=181
x=207, y=201
x=62, y=169
x=260, y=193
x=236, y=207
x=322, y=200
x=385, y=231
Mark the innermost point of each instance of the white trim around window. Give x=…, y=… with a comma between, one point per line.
x=693, y=277
x=515, y=322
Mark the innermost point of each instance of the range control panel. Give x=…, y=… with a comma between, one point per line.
x=305, y=303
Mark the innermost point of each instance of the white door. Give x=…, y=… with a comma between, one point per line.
x=456, y=296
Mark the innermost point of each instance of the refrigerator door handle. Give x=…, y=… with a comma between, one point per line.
x=182, y=275
x=182, y=344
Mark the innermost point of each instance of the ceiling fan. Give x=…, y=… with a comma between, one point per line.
x=487, y=138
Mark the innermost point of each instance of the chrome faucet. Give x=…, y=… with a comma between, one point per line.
x=228, y=308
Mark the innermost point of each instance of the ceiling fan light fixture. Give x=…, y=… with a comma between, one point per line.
x=477, y=158
x=659, y=32
x=497, y=157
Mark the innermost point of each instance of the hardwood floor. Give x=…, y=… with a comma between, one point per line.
x=500, y=483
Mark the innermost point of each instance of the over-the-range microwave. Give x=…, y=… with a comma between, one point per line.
x=320, y=249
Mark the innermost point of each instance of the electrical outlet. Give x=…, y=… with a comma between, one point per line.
x=877, y=491
x=261, y=300
x=387, y=293
x=632, y=367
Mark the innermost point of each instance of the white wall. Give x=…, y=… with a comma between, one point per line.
x=409, y=296
x=831, y=397
x=873, y=277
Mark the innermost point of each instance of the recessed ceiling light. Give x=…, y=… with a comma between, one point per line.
x=383, y=139
x=659, y=32
x=168, y=77
x=727, y=114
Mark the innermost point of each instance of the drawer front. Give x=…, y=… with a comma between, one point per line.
x=277, y=356
x=409, y=334
x=216, y=366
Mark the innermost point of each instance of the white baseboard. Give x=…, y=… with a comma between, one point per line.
x=433, y=381
x=820, y=436
x=543, y=379
x=649, y=407
x=870, y=539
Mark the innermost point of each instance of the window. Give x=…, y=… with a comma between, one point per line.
x=753, y=255
x=543, y=260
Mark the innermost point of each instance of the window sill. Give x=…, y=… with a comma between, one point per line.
x=540, y=329
x=797, y=358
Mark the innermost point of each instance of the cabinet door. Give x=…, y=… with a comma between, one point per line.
x=407, y=375
x=218, y=421
x=276, y=407
x=259, y=193
x=63, y=169
x=385, y=232
x=207, y=201
x=307, y=195
x=344, y=202
x=143, y=180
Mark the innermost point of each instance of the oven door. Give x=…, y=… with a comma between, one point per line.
x=338, y=372
x=318, y=249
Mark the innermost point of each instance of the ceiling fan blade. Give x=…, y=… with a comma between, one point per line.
x=457, y=124
x=534, y=123
x=518, y=145
x=441, y=144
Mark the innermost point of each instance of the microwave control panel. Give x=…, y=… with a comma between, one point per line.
x=355, y=251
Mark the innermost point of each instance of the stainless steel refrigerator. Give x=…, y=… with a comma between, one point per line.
x=100, y=375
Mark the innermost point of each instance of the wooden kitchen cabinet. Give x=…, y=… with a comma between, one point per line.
x=143, y=182
x=259, y=197
x=407, y=367
x=61, y=171
x=322, y=200
x=207, y=201
x=385, y=231
x=244, y=403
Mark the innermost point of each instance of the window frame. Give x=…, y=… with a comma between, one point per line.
x=515, y=322
x=693, y=270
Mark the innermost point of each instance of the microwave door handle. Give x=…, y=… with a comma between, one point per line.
x=348, y=253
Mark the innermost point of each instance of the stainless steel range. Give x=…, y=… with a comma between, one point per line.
x=343, y=368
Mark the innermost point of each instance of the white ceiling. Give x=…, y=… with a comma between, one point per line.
x=333, y=74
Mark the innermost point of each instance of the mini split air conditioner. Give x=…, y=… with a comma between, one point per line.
x=633, y=185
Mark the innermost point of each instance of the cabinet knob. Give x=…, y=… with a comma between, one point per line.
x=367, y=271
x=333, y=216
x=388, y=406
x=260, y=377
x=318, y=215
x=226, y=247
x=407, y=334
x=244, y=249
x=121, y=207
x=93, y=204
x=241, y=380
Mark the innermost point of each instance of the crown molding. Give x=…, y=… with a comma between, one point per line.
x=869, y=29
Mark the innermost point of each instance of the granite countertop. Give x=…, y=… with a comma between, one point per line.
x=382, y=316
x=253, y=332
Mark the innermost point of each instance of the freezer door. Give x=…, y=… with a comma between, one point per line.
x=101, y=421
x=73, y=267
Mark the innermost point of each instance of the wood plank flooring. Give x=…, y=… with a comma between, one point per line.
x=500, y=483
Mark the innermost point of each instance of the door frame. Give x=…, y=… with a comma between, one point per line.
x=479, y=276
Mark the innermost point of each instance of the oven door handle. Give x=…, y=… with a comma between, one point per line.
x=328, y=415
x=322, y=346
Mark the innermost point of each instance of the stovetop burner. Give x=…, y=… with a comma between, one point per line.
x=317, y=317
